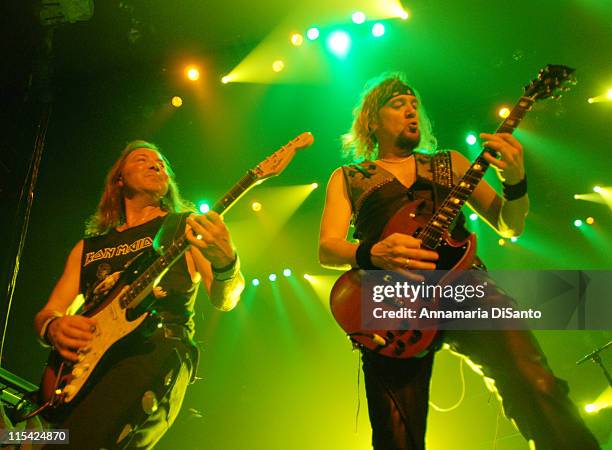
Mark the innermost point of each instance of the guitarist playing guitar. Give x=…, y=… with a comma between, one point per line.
x=400, y=168
x=131, y=400
x=120, y=367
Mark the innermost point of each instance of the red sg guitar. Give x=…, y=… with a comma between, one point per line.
x=346, y=294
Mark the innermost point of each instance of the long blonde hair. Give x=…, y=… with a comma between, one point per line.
x=111, y=208
x=360, y=142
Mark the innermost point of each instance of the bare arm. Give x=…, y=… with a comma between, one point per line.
x=335, y=251
x=507, y=218
x=215, y=248
x=66, y=333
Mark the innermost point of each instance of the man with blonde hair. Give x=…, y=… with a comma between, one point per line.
x=137, y=389
x=392, y=138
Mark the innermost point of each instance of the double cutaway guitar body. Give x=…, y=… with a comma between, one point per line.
x=346, y=294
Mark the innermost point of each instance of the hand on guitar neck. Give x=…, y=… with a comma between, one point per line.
x=402, y=253
x=510, y=166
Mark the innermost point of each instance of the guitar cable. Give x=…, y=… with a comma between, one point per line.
x=358, y=391
x=461, y=397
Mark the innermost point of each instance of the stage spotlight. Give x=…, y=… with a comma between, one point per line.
x=308, y=277
x=593, y=408
x=297, y=39
x=378, y=30
x=403, y=14
x=176, y=101
x=278, y=65
x=287, y=272
x=471, y=139
x=513, y=239
x=339, y=43
x=503, y=112
x=501, y=242
x=312, y=33
x=314, y=186
x=590, y=220
x=597, y=189
x=226, y=79
x=204, y=207
x=192, y=73
x=577, y=223
x=272, y=277
x=609, y=94
x=473, y=216
x=256, y=206
x=255, y=282
x=358, y=17
x=590, y=100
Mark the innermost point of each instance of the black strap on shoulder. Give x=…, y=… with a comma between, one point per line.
x=172, y=227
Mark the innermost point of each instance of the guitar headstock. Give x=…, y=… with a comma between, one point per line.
x=551, y=80
x=277, y=162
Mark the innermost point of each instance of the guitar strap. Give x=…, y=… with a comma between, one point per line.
x=171, y=228
x=441, y=167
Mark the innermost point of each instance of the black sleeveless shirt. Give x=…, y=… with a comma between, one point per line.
x=106, y=256
x=376, y=194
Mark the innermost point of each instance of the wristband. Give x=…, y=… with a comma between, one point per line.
x=364, y=257
x=228, y=272
x=515, y=191
x=42, y=336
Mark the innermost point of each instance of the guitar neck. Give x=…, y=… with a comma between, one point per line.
x=432, y=233
x=172, y=253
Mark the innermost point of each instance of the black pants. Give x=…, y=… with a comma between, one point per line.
x=137, y=396
x=538, y=402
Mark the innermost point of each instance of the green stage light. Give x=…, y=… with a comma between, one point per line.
x=255, y=282
x=272, y=277
x=358, y=17
x=471, y=139
x=577, y=223
x=473, y=216
x=339, y=43
x=312, y=33
x=514, y=239
x=378, y=30
x=203, y=207
x=287, y=272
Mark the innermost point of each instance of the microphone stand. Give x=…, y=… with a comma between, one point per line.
x=596, y=358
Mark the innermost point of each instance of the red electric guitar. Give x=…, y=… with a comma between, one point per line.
x=346, y=294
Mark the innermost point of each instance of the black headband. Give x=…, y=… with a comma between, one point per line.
x=399, y=88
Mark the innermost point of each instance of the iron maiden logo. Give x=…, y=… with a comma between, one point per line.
x=123, y=249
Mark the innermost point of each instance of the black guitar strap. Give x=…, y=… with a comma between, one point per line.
x=172, y=227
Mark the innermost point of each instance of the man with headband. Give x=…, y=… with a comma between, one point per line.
x=393, y=139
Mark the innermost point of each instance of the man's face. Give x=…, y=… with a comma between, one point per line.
x=398, y=122
x=144, y=171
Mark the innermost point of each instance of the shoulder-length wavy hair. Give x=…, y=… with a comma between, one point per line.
x=360, y=142
x=111, y=208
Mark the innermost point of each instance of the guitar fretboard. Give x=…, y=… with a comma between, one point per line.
x=174, y=251
x=432, y=233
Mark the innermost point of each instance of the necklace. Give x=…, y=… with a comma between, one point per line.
x=395, y=161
